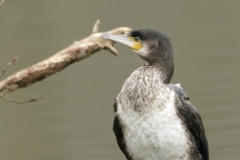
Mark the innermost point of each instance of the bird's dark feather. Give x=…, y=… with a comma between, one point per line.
x=193, y=122
x=118, y=130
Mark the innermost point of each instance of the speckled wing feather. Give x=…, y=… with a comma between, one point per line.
x=193, y=121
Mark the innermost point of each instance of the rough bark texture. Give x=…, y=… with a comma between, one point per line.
x=75, y=52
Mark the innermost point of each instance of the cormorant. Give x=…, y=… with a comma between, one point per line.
x=154, y=119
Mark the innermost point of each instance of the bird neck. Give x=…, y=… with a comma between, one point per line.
x=166, y=68
x=161, y=57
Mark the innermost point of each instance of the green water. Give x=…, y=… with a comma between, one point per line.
x=74, y=118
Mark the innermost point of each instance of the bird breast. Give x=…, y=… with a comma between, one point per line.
x=146, y=109
x=144, y=89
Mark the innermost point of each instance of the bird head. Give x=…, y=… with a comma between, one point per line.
x=151, y=45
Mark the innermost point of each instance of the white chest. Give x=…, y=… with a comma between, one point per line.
x=152, y=129
x=154, y=135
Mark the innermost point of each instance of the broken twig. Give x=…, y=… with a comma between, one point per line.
x=1, y=3
x=75, y=52
x=10, y=100
x=8, y=65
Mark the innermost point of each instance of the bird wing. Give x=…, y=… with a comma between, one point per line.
x=193, y=121
x=118, y=129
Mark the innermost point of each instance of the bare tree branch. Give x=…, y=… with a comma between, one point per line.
x=1, y=3
x=10, y=100
x=75, y=52
x=8, y=65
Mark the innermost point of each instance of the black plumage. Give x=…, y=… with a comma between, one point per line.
x=193, y=121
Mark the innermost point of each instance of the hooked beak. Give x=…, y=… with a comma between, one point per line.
x=123, y=39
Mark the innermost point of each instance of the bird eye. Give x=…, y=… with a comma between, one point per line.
x=136, y=39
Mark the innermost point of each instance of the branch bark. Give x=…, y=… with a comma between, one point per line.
x=1, y=2
x=75, y=52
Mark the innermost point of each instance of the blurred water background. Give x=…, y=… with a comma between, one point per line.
x=74, y=120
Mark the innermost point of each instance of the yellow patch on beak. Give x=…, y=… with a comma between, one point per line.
x=137, y=45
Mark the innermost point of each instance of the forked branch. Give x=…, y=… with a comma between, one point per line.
x=75, y=52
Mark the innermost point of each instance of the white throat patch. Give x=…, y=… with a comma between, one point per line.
x=144, y=51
